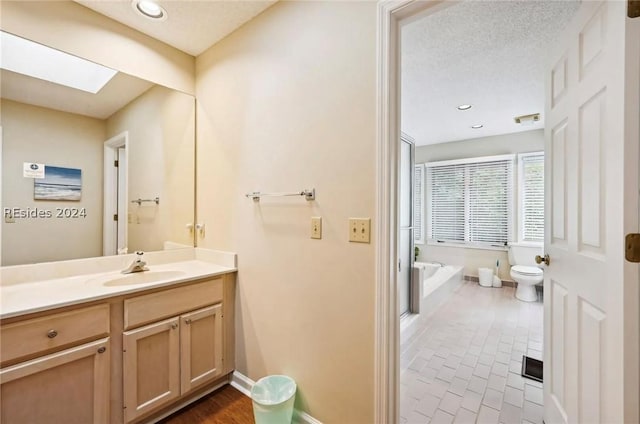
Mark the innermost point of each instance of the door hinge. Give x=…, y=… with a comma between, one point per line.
x=115, y=216
x=633, y=8
x=116, y=163
x=632, y=247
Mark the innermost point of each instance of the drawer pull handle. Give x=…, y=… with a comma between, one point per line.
x=102, y=349
x=174, y=325
x=187, y=321
x=52, y=333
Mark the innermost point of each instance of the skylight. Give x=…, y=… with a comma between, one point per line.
x=36, y=60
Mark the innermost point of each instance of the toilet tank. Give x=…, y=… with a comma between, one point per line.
x=521, y=254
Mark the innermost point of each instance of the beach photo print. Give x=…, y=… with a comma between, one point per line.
x=58, y=184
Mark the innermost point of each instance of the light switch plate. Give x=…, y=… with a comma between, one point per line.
x=360, y=230
x=316, y=227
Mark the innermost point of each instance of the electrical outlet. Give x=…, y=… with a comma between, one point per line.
x=316, y=227
x=360, y=230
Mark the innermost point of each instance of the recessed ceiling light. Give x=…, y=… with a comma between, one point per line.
x=464, y=107
x=25, y=57
x=149, y=9
x=477, y=127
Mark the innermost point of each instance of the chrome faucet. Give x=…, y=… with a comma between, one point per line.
x=138, y=264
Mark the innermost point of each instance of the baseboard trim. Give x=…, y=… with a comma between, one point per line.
x=244, y=384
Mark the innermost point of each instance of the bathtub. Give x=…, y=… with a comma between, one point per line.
x=432, y=285
x=436, y=275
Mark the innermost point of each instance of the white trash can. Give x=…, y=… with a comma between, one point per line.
x=485, y=277
x=273, y=397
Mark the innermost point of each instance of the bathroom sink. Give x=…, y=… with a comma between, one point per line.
x=141, y=278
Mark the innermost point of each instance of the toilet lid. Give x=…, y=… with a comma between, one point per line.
x=527, y=270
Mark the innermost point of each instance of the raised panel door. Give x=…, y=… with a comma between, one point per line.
x=151, y=367
x=200, y=347
x=71, y=386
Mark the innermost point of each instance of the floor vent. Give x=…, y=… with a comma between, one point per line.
x=531, y=368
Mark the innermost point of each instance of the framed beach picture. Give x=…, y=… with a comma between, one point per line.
x=58, y=184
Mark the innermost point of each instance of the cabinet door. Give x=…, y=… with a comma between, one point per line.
x=201, y=346
x=71, y=386
x=151, y=367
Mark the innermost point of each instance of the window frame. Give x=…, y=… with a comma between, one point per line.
x=520, y=199
x=419, y=231
x=511, y=210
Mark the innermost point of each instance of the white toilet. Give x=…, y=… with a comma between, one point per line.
x=524, y=270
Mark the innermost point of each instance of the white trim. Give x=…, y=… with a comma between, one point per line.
x=423, y=180
x=520, y=198
x=109, y=226
x=386, y=321
x=480, y=159
x=463, y=245
x=243, y=384
x=391, y=13
x=300, y=417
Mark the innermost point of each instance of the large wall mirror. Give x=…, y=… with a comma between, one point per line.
x=86, y=206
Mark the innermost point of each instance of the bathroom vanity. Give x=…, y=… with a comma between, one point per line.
x=114, y=348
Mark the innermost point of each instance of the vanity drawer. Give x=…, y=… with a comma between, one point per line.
x=47, y=333
x=145, y=309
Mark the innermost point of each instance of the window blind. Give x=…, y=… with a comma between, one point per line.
x=418, y=204
x=471, y=201
x=533, y=197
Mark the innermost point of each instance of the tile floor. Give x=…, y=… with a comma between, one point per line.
x=464, y=365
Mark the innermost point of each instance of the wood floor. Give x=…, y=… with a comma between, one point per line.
x=224, y=406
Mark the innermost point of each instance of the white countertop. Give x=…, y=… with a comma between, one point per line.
x=36, y=296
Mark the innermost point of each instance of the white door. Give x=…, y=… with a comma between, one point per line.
x=590, y=321
x=123, y=210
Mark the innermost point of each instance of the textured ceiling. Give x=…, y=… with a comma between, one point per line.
x=490, y=54
x=192, y=26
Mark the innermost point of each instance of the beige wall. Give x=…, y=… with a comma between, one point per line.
x=472, y=259
x=285, y=103
x=75, y=29
x=34, y=134
x=527, y=141
x=161, y=128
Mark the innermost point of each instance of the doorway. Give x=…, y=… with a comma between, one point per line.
x=617, y=210
x=115, y=211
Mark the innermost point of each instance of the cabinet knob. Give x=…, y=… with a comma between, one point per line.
x=52, y=333
x=174, y=325
x=102, y=349
x=187, y=321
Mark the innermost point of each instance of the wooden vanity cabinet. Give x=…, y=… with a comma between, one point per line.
x=200, y=347
x=151, y=367
x=126, y=359
x=167, y=359
x=70, y=385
